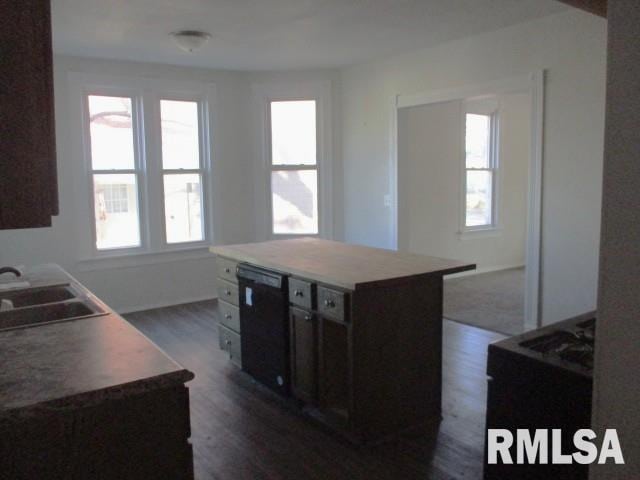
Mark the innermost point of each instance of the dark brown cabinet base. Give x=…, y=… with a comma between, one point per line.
x=139, y=437
x=368, y=362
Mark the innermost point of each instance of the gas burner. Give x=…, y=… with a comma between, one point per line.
x=574, y=345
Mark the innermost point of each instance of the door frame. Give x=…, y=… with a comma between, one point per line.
x=532, y=83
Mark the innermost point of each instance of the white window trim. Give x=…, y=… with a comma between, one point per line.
x=146, y=145
x=491, y=108
x=263, y=95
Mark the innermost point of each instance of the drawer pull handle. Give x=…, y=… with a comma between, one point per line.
x=228, y=342
x=298, y=293
x=329, y=303
x=227, y=292
x=227, y=270
x=307, y=318
x=228, y=316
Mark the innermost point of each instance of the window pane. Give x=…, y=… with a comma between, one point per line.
x=293, y=133
x=116, y=211
x=180, y=146
x=294, y=197
x=477, y=140
x=479, y=185
x=111, y=129
x=183, y=207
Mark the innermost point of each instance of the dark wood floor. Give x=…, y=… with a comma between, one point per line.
x=241, y=431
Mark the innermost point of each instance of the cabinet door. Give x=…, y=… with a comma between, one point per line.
x=334, y=370
x=304, y=354
x=28, y=184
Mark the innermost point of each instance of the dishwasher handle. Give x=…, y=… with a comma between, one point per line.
x=261, y=276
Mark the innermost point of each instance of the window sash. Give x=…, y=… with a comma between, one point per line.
x=137, y=209
x=137, y=170
x=492, y=168
x=292, y=168
x=278, y=167
x=201, y=170
x=492, y=223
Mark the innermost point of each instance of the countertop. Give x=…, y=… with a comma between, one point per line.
x=348, y=266
x=78, y=362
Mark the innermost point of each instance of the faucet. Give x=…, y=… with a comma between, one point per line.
x=15, y=271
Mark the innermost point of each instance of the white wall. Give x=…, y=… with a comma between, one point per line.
x=571, y=47
x=178, y=278
x=430, y=174
x=174, y=278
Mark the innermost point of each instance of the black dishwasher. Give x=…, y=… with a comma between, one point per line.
x=264, y=326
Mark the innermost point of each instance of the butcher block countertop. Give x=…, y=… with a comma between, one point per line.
x=347, y=266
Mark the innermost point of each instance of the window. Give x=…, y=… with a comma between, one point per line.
x=115, y=172
x=148, y=158
x=182, y=171
x=293, y=168
x=116, y=198
x=480, y=171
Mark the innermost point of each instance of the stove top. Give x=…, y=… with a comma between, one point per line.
x=572, y=343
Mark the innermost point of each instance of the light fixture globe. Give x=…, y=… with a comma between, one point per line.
x=190, y=40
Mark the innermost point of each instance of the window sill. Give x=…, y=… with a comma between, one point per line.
x=480, y=233
x=130, y=260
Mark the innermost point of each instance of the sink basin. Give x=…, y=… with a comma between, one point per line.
x=51, y=312
x=38, y=296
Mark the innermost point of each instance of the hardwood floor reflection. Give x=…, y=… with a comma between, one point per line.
x=242, y=431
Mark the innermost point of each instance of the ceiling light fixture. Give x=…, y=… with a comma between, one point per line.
x=190, y=40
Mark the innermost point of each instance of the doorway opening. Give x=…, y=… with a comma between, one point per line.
x=466, y=176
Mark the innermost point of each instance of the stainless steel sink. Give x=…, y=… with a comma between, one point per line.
x=39, y=296
x=44, y=305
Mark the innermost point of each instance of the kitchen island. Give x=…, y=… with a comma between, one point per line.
x=365, y=330
x=89, y=398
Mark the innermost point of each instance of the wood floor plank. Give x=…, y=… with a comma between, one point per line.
x=241, y=430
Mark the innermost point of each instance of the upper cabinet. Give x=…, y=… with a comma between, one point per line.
x=28, y=179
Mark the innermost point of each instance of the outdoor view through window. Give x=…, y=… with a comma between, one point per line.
x=117, y=171
x=114, y=166
x=294, y=169
x=181, y=165
x=479, y=171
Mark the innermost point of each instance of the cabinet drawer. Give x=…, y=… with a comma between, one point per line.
x=332, y=303
x=226, y=269
x=229, y=316
x=227, y=292
x=230, y=342
x=302, y=293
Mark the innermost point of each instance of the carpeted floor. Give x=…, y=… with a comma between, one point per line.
x=493, y=301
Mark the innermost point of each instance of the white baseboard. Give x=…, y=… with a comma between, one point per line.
x=482, y=270
x=140, y=308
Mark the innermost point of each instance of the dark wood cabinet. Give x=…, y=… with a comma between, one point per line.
x=28, y=177
x=334, y=371
x=365, y=332
x=304, y=355
x=136, y=437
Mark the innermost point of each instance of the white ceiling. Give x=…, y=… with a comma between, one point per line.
x=277, y=34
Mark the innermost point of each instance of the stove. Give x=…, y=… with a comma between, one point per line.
x=542, y=379
x=574, y=343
